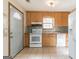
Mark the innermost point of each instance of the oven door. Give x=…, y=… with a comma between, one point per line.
x=35, y=38
x=37, y=31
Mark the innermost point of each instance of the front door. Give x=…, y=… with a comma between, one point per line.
x=16, y=31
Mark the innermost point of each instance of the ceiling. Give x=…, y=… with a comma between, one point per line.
x=41, y=5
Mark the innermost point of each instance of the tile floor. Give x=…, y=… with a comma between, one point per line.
x=43, y=53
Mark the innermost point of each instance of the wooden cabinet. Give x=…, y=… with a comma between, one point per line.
x=61, y=19
x=26, y=40
x=28, y=19
x=64, y=18
x=49, y=40
x=45, y=40
x=53, y=40
x=66, y=39
x=36, y=17
x=45, y=14
x=58, y=21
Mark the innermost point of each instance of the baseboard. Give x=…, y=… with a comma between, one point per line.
x=70, y=57
x=17, y=53
x=7, y=57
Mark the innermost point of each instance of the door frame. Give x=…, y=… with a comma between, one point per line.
x=10, y=4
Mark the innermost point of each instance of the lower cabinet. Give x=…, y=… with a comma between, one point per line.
x=66, y=39
x=26, y=40
x=49, y=40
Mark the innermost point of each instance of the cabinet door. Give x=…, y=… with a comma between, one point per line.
x=46, y=14
x=66, y=39
x=49, y=40
x=52, y=15
x=28, y=20
x=26, y=40
x=36, y=17
x=53, y=40
x=46, y=41
x=61, y=19
x=58, y=21
x=64, y=18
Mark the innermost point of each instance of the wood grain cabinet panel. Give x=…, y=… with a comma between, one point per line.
x=26, y=40
x=28, y=19
x=46, y=14
x=53, y=40
x=49, y=40
x=45, y=40
x=52, y=15
x=64, y=19
x=58, y=21
x=36, y=17
x=61, y=19
x=66, y=39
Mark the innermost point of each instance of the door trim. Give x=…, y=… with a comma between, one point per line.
x=10, y=4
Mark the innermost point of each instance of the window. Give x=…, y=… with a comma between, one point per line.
x=48, y=23
x=17, y=15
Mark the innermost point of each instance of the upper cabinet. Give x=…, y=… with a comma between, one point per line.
x=61, y=18
x=28, y=19
x=58, y=20
x=45, y=14
x=64, y=18
x=36, y=17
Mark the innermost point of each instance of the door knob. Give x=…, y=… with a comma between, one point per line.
x=11, y=36
x=10, y=32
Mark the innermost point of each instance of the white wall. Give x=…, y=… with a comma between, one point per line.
x=5, y=24
x=72, y=32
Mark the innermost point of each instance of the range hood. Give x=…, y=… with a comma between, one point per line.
x=36, y=23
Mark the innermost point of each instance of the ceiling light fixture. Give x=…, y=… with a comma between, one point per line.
x=28, y=0
x=51, y=3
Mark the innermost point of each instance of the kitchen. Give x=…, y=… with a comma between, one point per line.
x=49, y=34
x=37, y=29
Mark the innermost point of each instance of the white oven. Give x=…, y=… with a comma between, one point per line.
x=36, y=38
